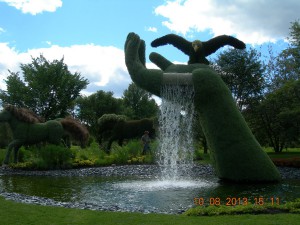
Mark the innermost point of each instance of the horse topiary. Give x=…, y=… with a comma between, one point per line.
x=5, y=135
x=28, y=129
x=236, y=154
x=116, y=128
x=74, y=129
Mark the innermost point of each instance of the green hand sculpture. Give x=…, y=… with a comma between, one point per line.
x=236, y=154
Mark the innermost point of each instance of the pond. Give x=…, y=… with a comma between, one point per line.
x=144, y=193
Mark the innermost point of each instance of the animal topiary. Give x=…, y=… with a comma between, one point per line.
x=27, y=129
x=116, y=128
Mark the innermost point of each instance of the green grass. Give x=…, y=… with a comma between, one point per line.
x=285, y=154
x=266, y=208
x=22, y=214
x=270, y=150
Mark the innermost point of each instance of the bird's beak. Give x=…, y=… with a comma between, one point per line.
x=195, y=47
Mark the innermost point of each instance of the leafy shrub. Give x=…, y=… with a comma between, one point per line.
x=134, y=147
x=2, y=155
x=120, y=154
x=24, y=154
x=83, y=163
x=53, y=157
x=22, y=165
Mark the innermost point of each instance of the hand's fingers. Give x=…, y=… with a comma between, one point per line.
x=160, y=61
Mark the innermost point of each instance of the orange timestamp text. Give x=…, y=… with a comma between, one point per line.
x=233, y=201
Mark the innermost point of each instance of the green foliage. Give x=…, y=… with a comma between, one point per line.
x=116, y=128
x=120, y=155
x=285, y=66
x=131, y=153
x=236, y=154
x=243, y=72
x=52, y=157
x=2, y=155
x=5, y=135
x=86, y=157
x=23, y=166
x=110, y=118
x=49, y=88
x=44, y=158
x=58, y=157
x=212, y=210
x=134, y=147
x=91, y=108
x=24, y=154
x=277, y=117
x=198, y=155
x=138, y=103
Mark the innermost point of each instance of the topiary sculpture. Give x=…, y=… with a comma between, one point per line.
x=236, y=154
x=117, y=128
x=198, y=50
x=27, y=129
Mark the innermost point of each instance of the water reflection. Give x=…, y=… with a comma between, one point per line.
x=138, y=194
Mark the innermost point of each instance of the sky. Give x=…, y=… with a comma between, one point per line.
x=90, y=34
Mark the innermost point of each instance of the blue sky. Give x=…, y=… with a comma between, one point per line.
x=91, y=34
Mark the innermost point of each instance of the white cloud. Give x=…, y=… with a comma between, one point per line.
x=254, y=22
x=152, y=29
x=2, y=30
x=103, y=66
x=34, y=6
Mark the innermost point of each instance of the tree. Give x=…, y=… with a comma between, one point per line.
x=243, y=73
x=286, y=66
x=49, y=88
x=277, y=117
x=138, y=103
x=91, y=108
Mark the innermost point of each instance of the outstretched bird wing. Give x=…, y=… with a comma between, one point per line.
x=215, y=43
x=175, y=40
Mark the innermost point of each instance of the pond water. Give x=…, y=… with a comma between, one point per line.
x=144, y=194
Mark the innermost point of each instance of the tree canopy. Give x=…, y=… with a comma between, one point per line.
x=138, y=103
x=276, y=119
x=47, y=88
x=91, y=108
x=243, y=73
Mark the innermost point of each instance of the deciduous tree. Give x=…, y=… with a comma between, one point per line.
x=47, y=88
x=138, y=103
x=91, y=108
x=243, y=73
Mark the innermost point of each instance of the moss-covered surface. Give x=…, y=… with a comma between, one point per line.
x=236, y=154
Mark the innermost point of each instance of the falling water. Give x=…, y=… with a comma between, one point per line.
x=175, y=156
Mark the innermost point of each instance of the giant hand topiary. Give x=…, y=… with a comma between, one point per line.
x=236, y=154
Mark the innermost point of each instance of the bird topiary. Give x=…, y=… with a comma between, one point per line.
x=236, y=154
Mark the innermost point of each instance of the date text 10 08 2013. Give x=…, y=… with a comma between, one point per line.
x=233, y=201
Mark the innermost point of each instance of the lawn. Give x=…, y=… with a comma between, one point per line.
x=19, y=213
x=289, y=153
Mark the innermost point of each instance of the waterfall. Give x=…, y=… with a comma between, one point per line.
x=175, y=155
